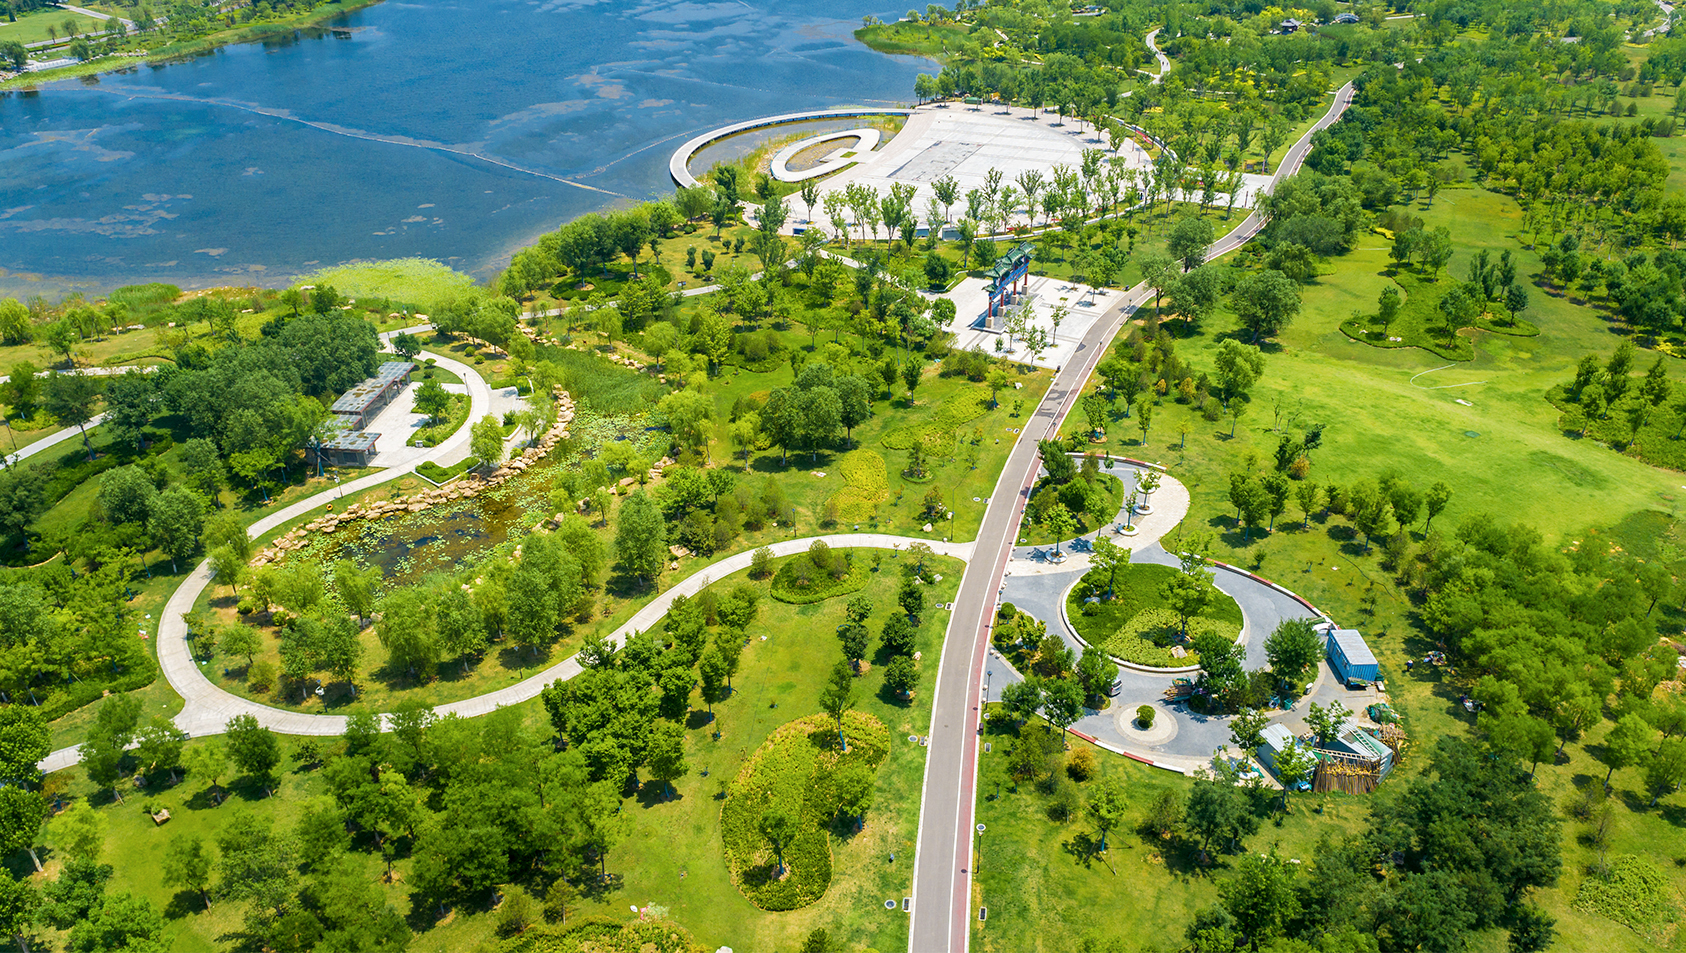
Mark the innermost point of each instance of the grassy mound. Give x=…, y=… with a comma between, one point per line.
x=598, y=934
x=1137, y=626
x=800, y=581
x=418, y=282
x=793, y=771
x=868, y=485
x=439, y=474
x=938, y=429
x=1633, y=893
x=1420, y=323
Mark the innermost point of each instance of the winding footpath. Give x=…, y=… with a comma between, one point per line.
x=207, y=708
x=942, y=878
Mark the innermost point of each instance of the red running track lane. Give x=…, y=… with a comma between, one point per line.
x=943, y=852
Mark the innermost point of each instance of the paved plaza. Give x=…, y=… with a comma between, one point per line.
x=1083, y=307
x=967, y=142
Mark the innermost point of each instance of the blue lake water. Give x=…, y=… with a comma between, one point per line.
x=444, y=130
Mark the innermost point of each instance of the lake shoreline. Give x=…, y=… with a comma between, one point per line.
x=250, y=33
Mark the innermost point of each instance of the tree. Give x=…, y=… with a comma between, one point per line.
x=1022, y=699
x=1387, y=307
x=187, y=864
x=1295, y=765
x=1109, y=557
x=24, y=741
x=911, y=371
x=1261, y=896
x=486, y=440
x=253, y=748
x=356, y=587
x=70, y=399
x=1218, y=809
x=1265, y=302
x=127, y=494
x=408, y=630
x=778, y=827
x=22, y=390
x=1246, y=730
x=1188, y=241
x=1062, y=702
x=1188, y=595
x=838, y=696
x=1237, y=367
x=1293, y=649
x=1515, y=301
x=21, y=815
x=1326, y=723
x=641, y=536
x=853, y=783
x=80, y=832
x=176, y=519
x=433, y=400
x=19, y=902
x=1060, y=523
x=666, y=758
x=901, y=676
x=1435, y=501
x=160, y=745
x=1107, y=806
x=1627, y=744
x=1096, y=671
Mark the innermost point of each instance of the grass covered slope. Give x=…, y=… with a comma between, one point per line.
x=796, y=774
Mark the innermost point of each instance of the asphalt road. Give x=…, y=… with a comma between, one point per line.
x=942, y=874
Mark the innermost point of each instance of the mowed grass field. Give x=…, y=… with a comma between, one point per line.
x=1400, y=408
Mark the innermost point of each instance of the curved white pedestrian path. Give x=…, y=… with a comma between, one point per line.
x=209, y=708
x=205, y=707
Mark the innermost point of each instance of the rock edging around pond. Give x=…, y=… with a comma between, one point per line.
x=415, y=503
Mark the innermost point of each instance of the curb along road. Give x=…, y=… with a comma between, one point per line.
x=942, y=875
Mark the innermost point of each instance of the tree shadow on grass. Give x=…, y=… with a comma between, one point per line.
x=183, y=903
x=893, y=698
x=656, y=793
x=1083, y=849
x=516, y=657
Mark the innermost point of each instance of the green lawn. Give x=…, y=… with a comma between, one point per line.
x=33, y=27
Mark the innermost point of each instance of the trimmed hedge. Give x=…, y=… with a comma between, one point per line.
x=793, y=770
x=868, y=485
x=601, y=934
x=941, y=425
x=821, y=586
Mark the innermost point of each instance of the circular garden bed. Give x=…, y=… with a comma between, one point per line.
x=1137, y=624
x=819, y=574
